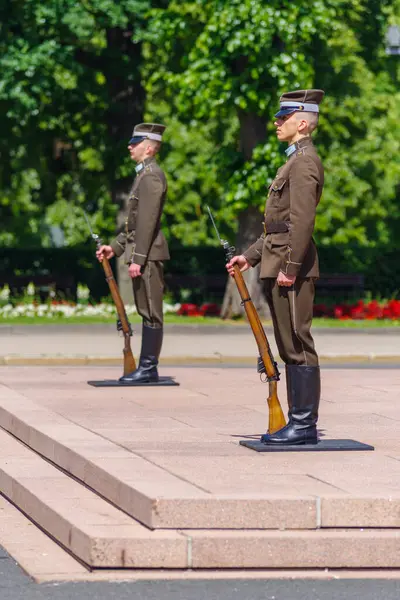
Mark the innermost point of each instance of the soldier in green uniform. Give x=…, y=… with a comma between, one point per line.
x=144, y=246
x=289, y=262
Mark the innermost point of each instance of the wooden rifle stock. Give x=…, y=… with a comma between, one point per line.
x=276, y=416
x=123, y=323
x=266, y=362
x=129, y=361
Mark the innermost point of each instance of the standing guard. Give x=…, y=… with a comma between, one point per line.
x=289, y=262
x=145, y=246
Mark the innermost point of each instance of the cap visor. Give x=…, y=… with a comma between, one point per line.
x=136, y=140
x=285, y=111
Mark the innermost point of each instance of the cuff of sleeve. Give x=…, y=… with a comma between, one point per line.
x=253, y=258
x=139, y=259
x=290, y=268
x=117, y=248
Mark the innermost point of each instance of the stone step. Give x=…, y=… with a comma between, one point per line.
x=148, y=493
x=100, y=535
x=327, y=549
x=161, y=500
x=96, y=532
x=35, y=552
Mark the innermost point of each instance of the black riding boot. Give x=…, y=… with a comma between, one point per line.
x=304, y=390
x=289, y=393
x=149, y=354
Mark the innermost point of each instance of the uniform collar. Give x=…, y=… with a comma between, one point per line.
x=140, y=166
x=299, y=145
x=290, y=149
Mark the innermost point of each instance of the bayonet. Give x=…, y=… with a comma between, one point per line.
x=229, y=250
x=94, y=236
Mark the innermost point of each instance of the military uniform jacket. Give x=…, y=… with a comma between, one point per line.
x=293, y=198
x=142, y=238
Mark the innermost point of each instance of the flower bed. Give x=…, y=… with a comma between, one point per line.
x=67, y=310
x=360, y=310
x=193, y=310
x=29, y=306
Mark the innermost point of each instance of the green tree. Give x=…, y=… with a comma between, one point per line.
x=70, y=91
x=71, y=87
x=227, y=63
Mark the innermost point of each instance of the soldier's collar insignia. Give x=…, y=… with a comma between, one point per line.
x=145, y=164
x=290, y=149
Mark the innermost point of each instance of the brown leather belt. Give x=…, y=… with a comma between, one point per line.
x=281, y=227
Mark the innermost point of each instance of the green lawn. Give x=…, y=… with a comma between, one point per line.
x=356, y=324
x=320, y=322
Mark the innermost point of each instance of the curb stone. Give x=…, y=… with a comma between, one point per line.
x=247, y=361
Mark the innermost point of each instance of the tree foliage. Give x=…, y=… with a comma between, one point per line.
x=76, y=76
x=228, y=62
x=69, y=89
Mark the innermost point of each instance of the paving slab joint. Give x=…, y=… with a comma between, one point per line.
x=189, y=552
x=318, y=512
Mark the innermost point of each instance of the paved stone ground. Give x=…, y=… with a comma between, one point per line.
x=192, y=431
x=183, y=343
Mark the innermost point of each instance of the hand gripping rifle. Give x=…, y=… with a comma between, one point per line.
x=266, y=363
x=122, y=323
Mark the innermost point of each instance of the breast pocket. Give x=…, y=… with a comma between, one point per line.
x=280, y=239
x=276, y=191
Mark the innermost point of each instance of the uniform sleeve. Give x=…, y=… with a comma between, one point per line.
x=304, y=183
x=119, y=243
x=253, y=254
x=150, y=196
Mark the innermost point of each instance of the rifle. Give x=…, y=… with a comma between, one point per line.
x=122, y=323
x=266, y=362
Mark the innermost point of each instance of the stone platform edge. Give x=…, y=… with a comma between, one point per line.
x=247, y=361
x=87, y=456
x=143, y=490
x=101, y=536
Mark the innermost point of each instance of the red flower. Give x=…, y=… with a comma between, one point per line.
x=189, y=310
x=361, y=310
x=374, y=310
x=338, y=312
x=210, y=310
x=386, y=313
x=321, y=310
x=394, y=307
x=357, y=312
